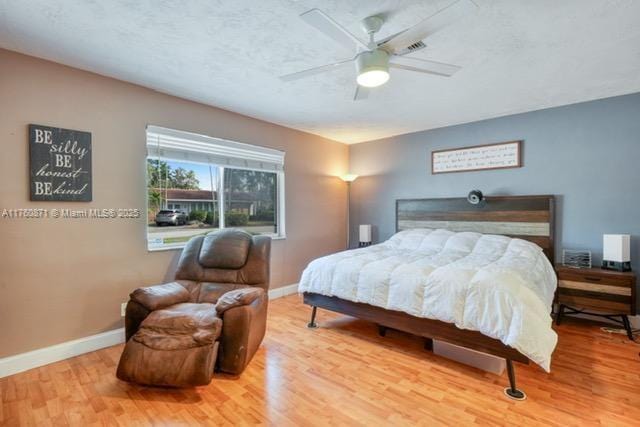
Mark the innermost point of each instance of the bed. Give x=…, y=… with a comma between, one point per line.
x=476, y=276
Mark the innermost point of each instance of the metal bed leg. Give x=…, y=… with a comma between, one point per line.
x=559, y=314
x=511, y=391
x=313, y=324
x=627, y=326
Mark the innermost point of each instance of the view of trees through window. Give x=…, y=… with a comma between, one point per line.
x=250, y=200
x=183, y=201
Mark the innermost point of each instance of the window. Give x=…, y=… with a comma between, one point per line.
x=250, y=200
x=197, y=184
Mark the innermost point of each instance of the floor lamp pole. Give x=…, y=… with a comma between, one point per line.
x=348, y=213
x=348, y=178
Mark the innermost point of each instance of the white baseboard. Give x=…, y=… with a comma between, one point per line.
x=43, y=356
x=283, y=291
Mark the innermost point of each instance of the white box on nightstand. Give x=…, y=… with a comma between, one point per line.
x=616, y=252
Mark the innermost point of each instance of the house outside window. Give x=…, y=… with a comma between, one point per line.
x=197, y=184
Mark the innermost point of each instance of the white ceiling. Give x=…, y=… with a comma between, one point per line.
x=517, y=55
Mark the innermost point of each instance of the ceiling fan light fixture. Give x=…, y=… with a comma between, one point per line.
x=373, y=68
x=373, y=78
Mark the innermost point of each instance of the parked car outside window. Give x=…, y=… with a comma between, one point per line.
x=171, y=217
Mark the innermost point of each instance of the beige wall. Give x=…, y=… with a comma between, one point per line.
x=64, y=279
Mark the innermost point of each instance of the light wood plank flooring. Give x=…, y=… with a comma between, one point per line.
x=343, y=374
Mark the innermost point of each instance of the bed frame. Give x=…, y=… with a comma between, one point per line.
x=526, y=217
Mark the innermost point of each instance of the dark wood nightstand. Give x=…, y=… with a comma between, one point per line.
x=611, y=294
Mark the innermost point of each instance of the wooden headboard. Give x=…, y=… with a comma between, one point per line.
x=526, y=217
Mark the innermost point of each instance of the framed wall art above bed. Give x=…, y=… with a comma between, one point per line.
x=502, y=155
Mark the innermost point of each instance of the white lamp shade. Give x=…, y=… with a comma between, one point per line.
x=616, y=247
x=365, y=233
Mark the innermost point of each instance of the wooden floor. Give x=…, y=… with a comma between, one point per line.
x=343, y=374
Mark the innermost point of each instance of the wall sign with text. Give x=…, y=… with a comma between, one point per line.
x=60, y=164
x=502, y=155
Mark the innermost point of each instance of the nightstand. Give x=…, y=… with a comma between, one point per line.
x=605, y=293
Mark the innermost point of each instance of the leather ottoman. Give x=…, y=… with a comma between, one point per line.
x=175, y=346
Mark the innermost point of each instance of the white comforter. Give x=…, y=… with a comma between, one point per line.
x=497, y=285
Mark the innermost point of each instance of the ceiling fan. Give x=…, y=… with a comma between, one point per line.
x=373, y=59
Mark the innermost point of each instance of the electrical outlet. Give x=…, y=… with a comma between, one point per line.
x=123, y=309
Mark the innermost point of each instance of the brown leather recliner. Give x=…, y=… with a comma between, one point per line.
x=216, y=309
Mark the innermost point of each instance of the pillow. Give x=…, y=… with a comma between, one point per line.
x=436, y=240
x=409, y=239
x=491, y=244
x=463, y=242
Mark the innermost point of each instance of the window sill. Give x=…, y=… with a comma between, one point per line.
x=181, y=246
x=167, y=248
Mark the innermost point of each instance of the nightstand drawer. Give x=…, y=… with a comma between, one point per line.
x=611, y=303
x=602, y=288
x=606, y=279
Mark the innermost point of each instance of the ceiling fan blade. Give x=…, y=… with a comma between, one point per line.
x=418, y=69
x=361, y=93
x=430, y=25
x=315, y=70
x=424, y=66
x=325, y=24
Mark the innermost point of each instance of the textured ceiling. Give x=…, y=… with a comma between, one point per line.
x=517, y=55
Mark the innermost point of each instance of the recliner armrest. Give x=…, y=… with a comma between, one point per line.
x=160, y=296
x=244, y=322
x=238, y=297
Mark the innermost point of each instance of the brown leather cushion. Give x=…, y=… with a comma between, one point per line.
x=225, y=249
x=180, y=326
x=159, y=296
x=177, y=368
x=211, y=292
x=236, y=298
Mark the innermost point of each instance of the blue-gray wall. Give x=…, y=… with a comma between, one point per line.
x=587, y=154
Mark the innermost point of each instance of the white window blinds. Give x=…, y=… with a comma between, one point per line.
x=186, y=146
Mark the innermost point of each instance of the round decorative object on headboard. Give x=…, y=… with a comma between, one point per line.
x=475, y=197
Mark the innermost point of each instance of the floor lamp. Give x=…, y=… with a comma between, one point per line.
x=348, y=178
